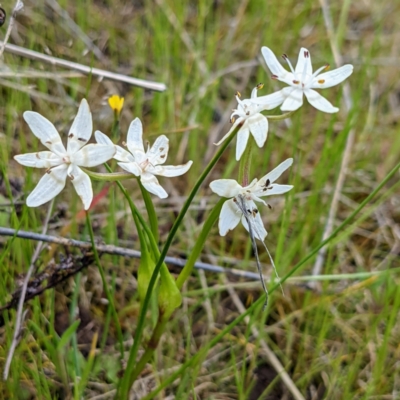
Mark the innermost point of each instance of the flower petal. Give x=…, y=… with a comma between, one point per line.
x=226, y=187
x=242, y=139
x=82, y=184
x=44, y=130
x=93, y=155
x=159, y=151
x=270, y=101
x=275, y=67
x=235, y=124
x=169, y=170
x=255, y=220
x=51, y=184
x=276, y=172
x=293, y=101
x=229, y=217
x=258, y=125
x=332, y=78
x=135, y=136
x=152, y=185
x=277, y=189
x=303, y=66
x=42, y=159
x=121, y=154
x=131, y=167
x=81, y=128
x=319, y=102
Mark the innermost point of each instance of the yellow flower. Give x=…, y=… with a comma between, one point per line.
x=116, y=103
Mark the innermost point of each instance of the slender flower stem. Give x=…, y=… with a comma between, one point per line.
x=280, y=117
x=111, y=177
x=260, y=301
x=105, y=286
x=151, y=212
x=244, y=166
x=198, y=247
x=128, y=378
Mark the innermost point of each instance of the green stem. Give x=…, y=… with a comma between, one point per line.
x=244, y=166
x=151, y=212
x=127, y=379
x=111, y=177
x=260, y=301
x=198, y=247
x=185, y=273
x=151, y=347
x=280, y=117
x=105, y=286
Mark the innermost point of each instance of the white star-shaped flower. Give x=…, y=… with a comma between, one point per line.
x=60, y=162
x=145, y=164
x=248, y=115
x=302, y=80
x=231, y=212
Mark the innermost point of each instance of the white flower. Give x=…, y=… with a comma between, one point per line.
x=145, y=164
x=61, y=163
x=231, y=212
x=302, y=80
x=248, y=115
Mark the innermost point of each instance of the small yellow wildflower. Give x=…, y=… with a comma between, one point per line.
x=116, y=103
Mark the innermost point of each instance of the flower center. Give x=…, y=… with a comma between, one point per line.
x=144, y=164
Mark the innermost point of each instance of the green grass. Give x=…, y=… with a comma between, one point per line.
x=341, y=342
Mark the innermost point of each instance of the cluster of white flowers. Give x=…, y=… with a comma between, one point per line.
x=61, y=163
x=248, y=117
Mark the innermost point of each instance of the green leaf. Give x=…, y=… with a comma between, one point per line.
x=67, y=335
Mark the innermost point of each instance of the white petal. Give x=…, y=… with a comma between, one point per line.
x=131, y=167
x=275, y=67
x=277, y=189
x=270, y=101
x=303, y=65
x=42, y=159
x=51, y=184
x=293, y=101
x=235, y=124
x=319, y=102
x=82, y=184
x=258, y=125
x=255, y=220
x=135, y=136
x=169, y=170
x=276, y=172
x=332, y=78
x=93, y=155
x=159, y=151
x=151, y=184
x=81, y=128
x=121, y=154
x=229, y=217
x=242, y=139
x=44, y=130
x=226, y=187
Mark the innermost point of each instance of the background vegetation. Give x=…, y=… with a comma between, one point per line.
x=338, y=339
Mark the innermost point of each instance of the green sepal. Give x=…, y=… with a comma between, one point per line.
x=169, y=296
x=146, y=268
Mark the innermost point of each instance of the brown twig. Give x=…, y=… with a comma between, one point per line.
x=18, y=7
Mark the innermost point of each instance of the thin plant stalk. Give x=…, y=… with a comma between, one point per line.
x=198, y=247
x=105, y=286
